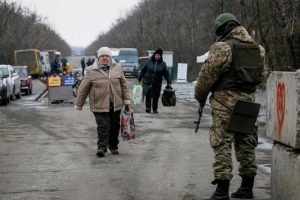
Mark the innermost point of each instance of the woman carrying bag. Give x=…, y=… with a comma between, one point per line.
x=152, y=75
x=108, y=92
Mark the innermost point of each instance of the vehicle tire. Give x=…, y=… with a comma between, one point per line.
x=7, y=95
x=8, y=99
x=18, y=96
x=27, y=92
x=4, y=101
x=30, y=91
x=13, y=96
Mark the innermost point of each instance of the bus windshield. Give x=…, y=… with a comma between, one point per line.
x=25, y=58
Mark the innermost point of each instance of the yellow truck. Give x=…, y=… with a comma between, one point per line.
x=29, y=58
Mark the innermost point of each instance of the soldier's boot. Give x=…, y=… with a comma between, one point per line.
x=245, y=190
x=222, y=190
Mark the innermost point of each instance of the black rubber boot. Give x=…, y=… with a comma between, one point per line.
x=222, y=190
x=245, y=190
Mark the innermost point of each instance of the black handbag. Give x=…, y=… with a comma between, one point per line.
x=168, y=97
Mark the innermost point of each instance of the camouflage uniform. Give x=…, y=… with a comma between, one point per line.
x=222, y=103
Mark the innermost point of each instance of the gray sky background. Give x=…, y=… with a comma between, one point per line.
x=79, y=22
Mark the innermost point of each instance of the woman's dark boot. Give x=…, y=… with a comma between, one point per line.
x=245, y=190
x=222, y=190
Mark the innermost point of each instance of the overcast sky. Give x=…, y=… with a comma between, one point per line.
x=79, y=22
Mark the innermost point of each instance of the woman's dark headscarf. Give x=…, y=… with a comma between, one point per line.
x=157, y=51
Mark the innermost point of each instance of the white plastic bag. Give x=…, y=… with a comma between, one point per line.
x=137, y=93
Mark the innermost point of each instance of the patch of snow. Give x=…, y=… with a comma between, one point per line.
x=265, y=168
x=265, y=146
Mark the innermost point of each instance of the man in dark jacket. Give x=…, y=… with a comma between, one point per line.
x=55, y=67
x=152, y=74
x=90, y=61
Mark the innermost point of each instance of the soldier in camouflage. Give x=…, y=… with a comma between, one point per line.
x=220, y=75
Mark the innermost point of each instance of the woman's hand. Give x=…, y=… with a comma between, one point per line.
x=169, y=86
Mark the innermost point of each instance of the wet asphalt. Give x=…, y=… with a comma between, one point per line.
x=48, y=151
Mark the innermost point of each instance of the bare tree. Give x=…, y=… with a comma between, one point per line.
x=187, y=28
x=22, y=29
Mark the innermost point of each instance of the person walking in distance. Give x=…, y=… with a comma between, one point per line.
x=152, y=75
x=108, y=92
x=83, y=66
x=234, y=68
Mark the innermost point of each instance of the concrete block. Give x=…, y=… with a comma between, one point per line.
x=283, y=106
x=60, y=93
x=285, y=173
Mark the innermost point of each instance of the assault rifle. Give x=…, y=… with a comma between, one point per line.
x=200, y=110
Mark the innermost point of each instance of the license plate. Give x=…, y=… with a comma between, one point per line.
x=128, y=69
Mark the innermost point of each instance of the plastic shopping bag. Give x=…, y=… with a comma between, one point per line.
x=127, y=125
x=137, y=93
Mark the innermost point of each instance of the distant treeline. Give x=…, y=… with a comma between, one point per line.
x=24, y=29
x=187, y=28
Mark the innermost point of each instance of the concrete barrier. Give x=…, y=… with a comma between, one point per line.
x=285, y=173
x=283, y=126
x=283, y=106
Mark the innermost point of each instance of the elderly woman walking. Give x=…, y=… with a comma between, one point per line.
x=152, y=75
x=108, y=92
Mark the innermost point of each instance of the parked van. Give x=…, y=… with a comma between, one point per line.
x=128, y=58
x=53, y=54
x=45, y=61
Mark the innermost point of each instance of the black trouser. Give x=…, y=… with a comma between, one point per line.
x=148, y=101
x=108, y=127
x=82, y=72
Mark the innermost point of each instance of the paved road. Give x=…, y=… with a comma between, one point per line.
x=47, y=151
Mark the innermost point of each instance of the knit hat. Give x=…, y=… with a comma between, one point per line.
x=104, y=51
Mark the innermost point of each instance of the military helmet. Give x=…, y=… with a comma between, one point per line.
x=223, y=19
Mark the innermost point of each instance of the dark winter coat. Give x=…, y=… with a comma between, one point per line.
x=55, y=67
x=152, y=75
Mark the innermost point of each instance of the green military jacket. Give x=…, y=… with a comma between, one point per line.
x=218, y=62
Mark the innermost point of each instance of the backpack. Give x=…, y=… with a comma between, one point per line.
x=168, y=98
